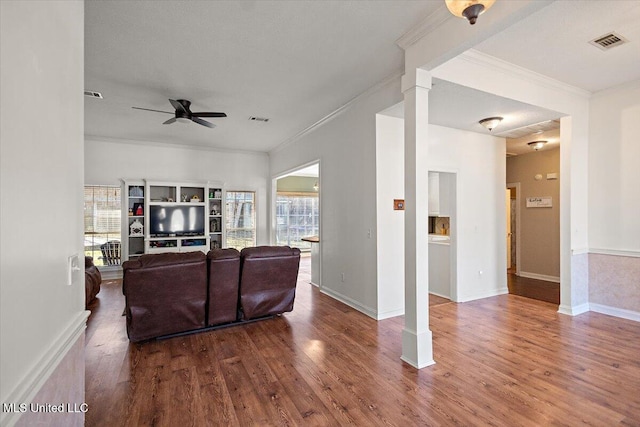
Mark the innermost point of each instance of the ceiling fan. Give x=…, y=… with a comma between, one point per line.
x=184, y=114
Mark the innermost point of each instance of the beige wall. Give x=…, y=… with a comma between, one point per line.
x=301, y=184
x=539, y=227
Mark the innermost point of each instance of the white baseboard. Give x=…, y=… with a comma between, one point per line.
x=489, y=294
x=440, y=295
x=111, y=273
x=350, y=302
x=537, y=276
x=42, y=370
x=614, y=311
x=389, y=314
x=573, y=310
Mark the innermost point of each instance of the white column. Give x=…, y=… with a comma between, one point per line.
x=417, y=349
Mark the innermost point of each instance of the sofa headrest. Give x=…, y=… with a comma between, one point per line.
x=228, y=253
x=170, y=258
x=269, y=252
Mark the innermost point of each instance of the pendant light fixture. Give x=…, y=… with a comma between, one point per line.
x=536, y=145
x=490, y=122
x=469, y=9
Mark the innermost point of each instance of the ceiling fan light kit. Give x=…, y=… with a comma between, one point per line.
x=183, y=113
x=469, y=9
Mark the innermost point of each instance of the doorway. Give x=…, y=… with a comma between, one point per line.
x=296, y=214
x=512, y=205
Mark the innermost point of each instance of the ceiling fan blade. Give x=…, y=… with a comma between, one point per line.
x=148, y=109
x=171, y=120
x=203, y=122
x=209, y=114
x=178, y=106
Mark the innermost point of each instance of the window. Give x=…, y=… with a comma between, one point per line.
x=240, y=219
x=297, y=216
x=102, y=216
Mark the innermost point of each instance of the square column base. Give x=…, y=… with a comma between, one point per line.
x=417, y=349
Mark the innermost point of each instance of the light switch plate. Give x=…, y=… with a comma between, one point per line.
x=73, y=267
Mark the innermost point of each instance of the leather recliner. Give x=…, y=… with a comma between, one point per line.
x=92, y=281
x=268, y=280
x=165, y=294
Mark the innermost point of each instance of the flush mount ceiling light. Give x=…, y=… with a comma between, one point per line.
x=490, y=122
x=536, y=145
x=469, y=9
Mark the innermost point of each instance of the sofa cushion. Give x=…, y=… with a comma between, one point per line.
x=223, y=277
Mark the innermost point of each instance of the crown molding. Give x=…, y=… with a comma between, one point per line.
x=499, y=65
x=428, y=25
x=373, y=89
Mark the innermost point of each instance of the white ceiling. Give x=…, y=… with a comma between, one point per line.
x=555, y=42
x=291, y=62
x=296, y=62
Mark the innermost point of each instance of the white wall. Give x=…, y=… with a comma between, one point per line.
x=107, y=161
x=41, y=178
x=390, y=223
x=346, y=147
x=614, y=172
x=480, y=220
x=614, y=202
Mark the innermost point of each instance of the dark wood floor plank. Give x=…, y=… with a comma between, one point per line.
x=503, y=361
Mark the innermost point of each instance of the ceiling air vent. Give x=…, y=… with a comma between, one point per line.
x=92, y=94
x=258, y=119
x=608, y=41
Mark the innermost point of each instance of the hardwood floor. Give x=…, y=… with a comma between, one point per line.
x=500, y=361
x=532, y=288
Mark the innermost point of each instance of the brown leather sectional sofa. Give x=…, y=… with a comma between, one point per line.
x=174, y=293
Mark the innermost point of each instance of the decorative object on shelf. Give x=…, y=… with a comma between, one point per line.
x=130, y=212
x=211, y=193
x=217, y=194
x=138, y=209
x=536, y=145
x=215, y=226
x=136, y=229
x=469, y=9
x=195, y=199
x=215, y=244
x=490, y=122
x=136, y=191
x=214, y=211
